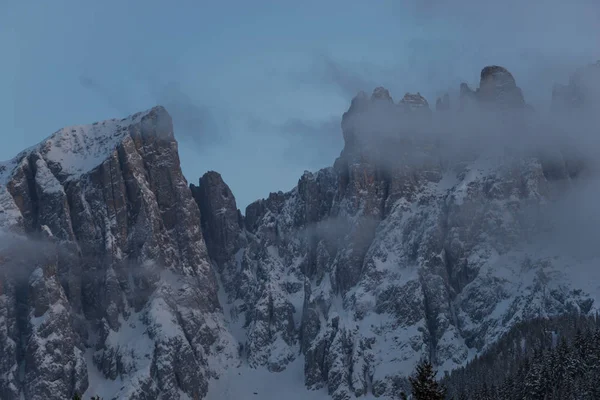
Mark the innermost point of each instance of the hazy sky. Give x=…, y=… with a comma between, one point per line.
x=257, y=88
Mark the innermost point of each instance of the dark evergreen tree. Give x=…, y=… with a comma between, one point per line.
x=424, y=385
x=534, y=380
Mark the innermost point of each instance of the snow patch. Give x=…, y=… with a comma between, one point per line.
x=45, y=180
x=260, y=384
x=75, y=150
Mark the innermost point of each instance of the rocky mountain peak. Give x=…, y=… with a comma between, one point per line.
x=222, y=222
x=497, y=76
x=498, y=86
x=369, y=123
x=413, y=102
x=124, y=287
x=497, y=90
x=359, y=103
x=382, y=94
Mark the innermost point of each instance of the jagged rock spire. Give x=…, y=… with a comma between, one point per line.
x=414, y=102
x=497, y=90
x=221, y=220
x=498, y=86
x=381, y=93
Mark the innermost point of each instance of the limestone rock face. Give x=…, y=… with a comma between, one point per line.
x=414, y=101
x=222, y=229
x=124, y=285
x=497, y=90
x=498, y=86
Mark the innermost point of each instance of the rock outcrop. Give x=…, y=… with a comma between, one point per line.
x=497, y=90
x=222, y=229
x=413, y=102
x=499, y=87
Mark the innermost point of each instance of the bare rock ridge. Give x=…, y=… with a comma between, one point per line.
x=119, y=279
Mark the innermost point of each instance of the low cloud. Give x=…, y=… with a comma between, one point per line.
x=111, y=97
x=304, y=142
x=345, y=78
x=20, y=255
x=312, y=142
x=194, y=123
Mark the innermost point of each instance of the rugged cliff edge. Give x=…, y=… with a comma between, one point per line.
x=125, y=285
x=425, y=238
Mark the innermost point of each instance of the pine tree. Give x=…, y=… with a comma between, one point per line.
x=581, y=351
x=505, y=390
x=593, y=376
x=424, y=384
x=534, y=382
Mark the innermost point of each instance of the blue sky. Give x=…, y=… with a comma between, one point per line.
x=257, y=88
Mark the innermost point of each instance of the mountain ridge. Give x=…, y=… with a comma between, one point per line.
x=358, y=194
x=409, y=245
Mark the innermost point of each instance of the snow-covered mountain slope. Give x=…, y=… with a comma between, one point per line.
x=430, y=236
x=124, y=289
x=411, y=246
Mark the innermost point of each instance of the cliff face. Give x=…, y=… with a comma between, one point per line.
x=400, y=250
x=120, y=280
x=126, y=285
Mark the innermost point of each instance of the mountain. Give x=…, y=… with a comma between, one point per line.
x=408, y=247
x=430, y=236
x=124, y=289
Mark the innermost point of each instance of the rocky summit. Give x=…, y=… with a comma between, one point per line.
x=119, y=279
x=497, y=88
x=124, y=289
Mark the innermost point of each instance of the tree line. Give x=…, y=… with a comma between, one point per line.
x=541, y=359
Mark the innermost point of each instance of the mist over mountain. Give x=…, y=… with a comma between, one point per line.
x=435, y=231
